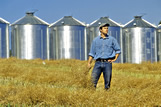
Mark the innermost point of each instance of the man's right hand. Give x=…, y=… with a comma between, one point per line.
x=89, y=62
x=89, y=66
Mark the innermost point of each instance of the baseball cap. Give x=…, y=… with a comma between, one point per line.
x=103, y=24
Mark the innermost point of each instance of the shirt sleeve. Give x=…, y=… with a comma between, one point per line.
x=92, y=50
x=116, y=47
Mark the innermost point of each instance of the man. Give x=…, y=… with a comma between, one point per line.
x=105, y=50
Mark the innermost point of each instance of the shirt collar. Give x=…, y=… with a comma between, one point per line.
x=107, y=37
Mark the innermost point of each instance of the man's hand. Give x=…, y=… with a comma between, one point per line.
x=111, y=60
x=89, y=66
x=89, y=62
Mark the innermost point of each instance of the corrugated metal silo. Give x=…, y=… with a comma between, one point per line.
x=114, y=30
x=139, y=41
x=30, y=39
x=68, y=39
x=159, y=42
x=4, y=38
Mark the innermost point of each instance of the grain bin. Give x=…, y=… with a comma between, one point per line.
x=30, y=38
x=139, y=41
x=67, y=39
x=159, y=42
x=93, y=31
x=4, y=38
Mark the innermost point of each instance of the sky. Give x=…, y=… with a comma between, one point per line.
x=121, y=11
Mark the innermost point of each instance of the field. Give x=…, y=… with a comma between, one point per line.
x=67, y=83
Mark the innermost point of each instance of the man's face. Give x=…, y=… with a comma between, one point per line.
x=104, y=30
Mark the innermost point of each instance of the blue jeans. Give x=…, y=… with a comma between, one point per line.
x=100, y=67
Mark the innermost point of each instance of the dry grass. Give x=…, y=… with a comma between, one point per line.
x=67, y=83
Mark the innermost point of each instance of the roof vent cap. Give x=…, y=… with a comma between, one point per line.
x=137, y=17
x=67, y=16
x=30, y=13
x=106, y=17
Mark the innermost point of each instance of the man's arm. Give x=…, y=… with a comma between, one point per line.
x=116, y=56
x=117, y=50
x=89, y=61
x=91, y=54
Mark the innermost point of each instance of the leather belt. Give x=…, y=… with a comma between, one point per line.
x=102, y=60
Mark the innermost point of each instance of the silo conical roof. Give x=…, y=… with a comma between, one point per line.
x=30, y=19
x=3, y=21
x=139, y=22
x=104, y=20
x=67, y=20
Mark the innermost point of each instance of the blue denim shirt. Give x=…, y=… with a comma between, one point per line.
x=104, y=48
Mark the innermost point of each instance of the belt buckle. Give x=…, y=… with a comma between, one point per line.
x=103, y=60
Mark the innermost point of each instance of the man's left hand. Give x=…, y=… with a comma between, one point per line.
x=111, y=60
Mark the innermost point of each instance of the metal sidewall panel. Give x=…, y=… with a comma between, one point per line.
x=159, y=44
x=4, y=40
x=29, y=41
x=67, y=42
x=139, y=45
